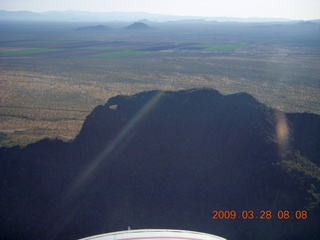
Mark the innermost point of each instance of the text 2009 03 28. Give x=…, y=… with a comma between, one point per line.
x=262, y=214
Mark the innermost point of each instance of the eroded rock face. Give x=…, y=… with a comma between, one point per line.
x=166, y=160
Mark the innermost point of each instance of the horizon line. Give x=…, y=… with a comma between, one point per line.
x=162, y=14
x=181, y=17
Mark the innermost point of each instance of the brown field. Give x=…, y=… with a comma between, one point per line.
x=49, y=93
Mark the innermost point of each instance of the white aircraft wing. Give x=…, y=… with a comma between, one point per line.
x=155, y=234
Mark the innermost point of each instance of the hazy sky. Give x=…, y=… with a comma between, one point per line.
x=292, y=9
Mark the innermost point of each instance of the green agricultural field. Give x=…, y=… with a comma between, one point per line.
x=30, y=51
x=99, y=48
x=120, y=54
x=224, y=47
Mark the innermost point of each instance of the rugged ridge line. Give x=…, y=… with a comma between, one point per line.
x=162, y=159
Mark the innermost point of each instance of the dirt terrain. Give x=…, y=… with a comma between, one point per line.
x=52, y=77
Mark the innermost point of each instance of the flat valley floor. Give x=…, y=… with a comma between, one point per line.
x=52, y=76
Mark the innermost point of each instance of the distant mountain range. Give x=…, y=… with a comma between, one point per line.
x=161, y=159
x=94, y=28
x=78, y=16
x=138, y=26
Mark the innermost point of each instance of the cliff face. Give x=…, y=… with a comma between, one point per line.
x=167, y=160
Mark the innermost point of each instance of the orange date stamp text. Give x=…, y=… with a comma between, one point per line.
x=261, y=215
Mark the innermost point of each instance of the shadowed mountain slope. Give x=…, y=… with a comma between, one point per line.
x=167, y=160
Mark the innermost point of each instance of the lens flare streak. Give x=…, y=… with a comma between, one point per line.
x=282, y=131
x=90, y=171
